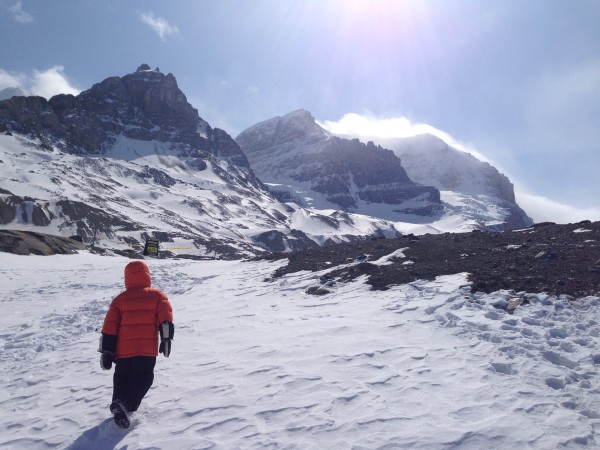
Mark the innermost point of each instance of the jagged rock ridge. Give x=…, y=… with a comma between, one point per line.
x=145, y=105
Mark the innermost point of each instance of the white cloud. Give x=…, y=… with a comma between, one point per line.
x=52, y=82
x=355, y=124
x=10, y=80
x=158, y=24
x=371, y=128
x=19, y=14
x=541, y=209
x=43, y=83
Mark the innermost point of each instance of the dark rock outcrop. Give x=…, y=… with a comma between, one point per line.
x=30, y=243
x=550, y=258
x=88, y=220
x=276, y=241
x=83, y=219
x=23, y=210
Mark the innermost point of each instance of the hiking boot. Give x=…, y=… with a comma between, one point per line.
x=119, y=413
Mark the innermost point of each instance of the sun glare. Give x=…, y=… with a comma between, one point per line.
x=382, y=13
x=393, y=35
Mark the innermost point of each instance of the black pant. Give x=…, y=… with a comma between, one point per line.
x=133, y=377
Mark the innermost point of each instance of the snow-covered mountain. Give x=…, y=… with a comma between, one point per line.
x=469, y=194
x=130, y=158
x=468, y=185
x=427, y=157
x=299, y=160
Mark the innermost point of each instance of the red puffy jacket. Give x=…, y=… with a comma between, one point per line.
x=134, y=315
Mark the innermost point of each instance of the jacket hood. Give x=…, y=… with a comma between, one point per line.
x=137, y=274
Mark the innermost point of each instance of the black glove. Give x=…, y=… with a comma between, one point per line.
x=107, y=348
x=106, y=360
x=166, y=331
x=165, y=347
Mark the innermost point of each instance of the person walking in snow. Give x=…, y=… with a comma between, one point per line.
x=133, y=323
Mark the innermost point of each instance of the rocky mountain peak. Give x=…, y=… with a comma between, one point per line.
x=296, y=128
x=397, y=179
x=155, y=94
x=300, y=119
x=298, y=124
x=146, y=105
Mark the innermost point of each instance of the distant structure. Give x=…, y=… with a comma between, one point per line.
x=151, y=248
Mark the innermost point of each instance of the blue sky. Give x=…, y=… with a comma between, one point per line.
x=518, y=81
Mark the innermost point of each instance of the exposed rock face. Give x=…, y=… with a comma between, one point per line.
x=84, y=220
x=278, y=242
x=23, y=210
x=26, y=243
x=294, y=149
x=149, y=134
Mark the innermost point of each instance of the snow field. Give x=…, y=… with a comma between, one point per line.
x=261, y=364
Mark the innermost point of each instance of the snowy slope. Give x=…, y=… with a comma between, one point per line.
x=259, y=364
x=464, y=212
x=144, y=187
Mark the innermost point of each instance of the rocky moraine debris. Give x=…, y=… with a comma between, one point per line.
x=550, y=258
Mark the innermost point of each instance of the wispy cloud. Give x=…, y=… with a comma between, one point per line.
x=371, y=128
x=158, y=24
x=19, y=14
x=45, y=83
x=51, y=82
x=11, y=80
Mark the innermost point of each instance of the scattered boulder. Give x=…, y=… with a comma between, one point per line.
x=317, y=290
x=30, y=243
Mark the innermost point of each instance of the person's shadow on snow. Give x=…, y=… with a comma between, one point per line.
x=105, y=436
